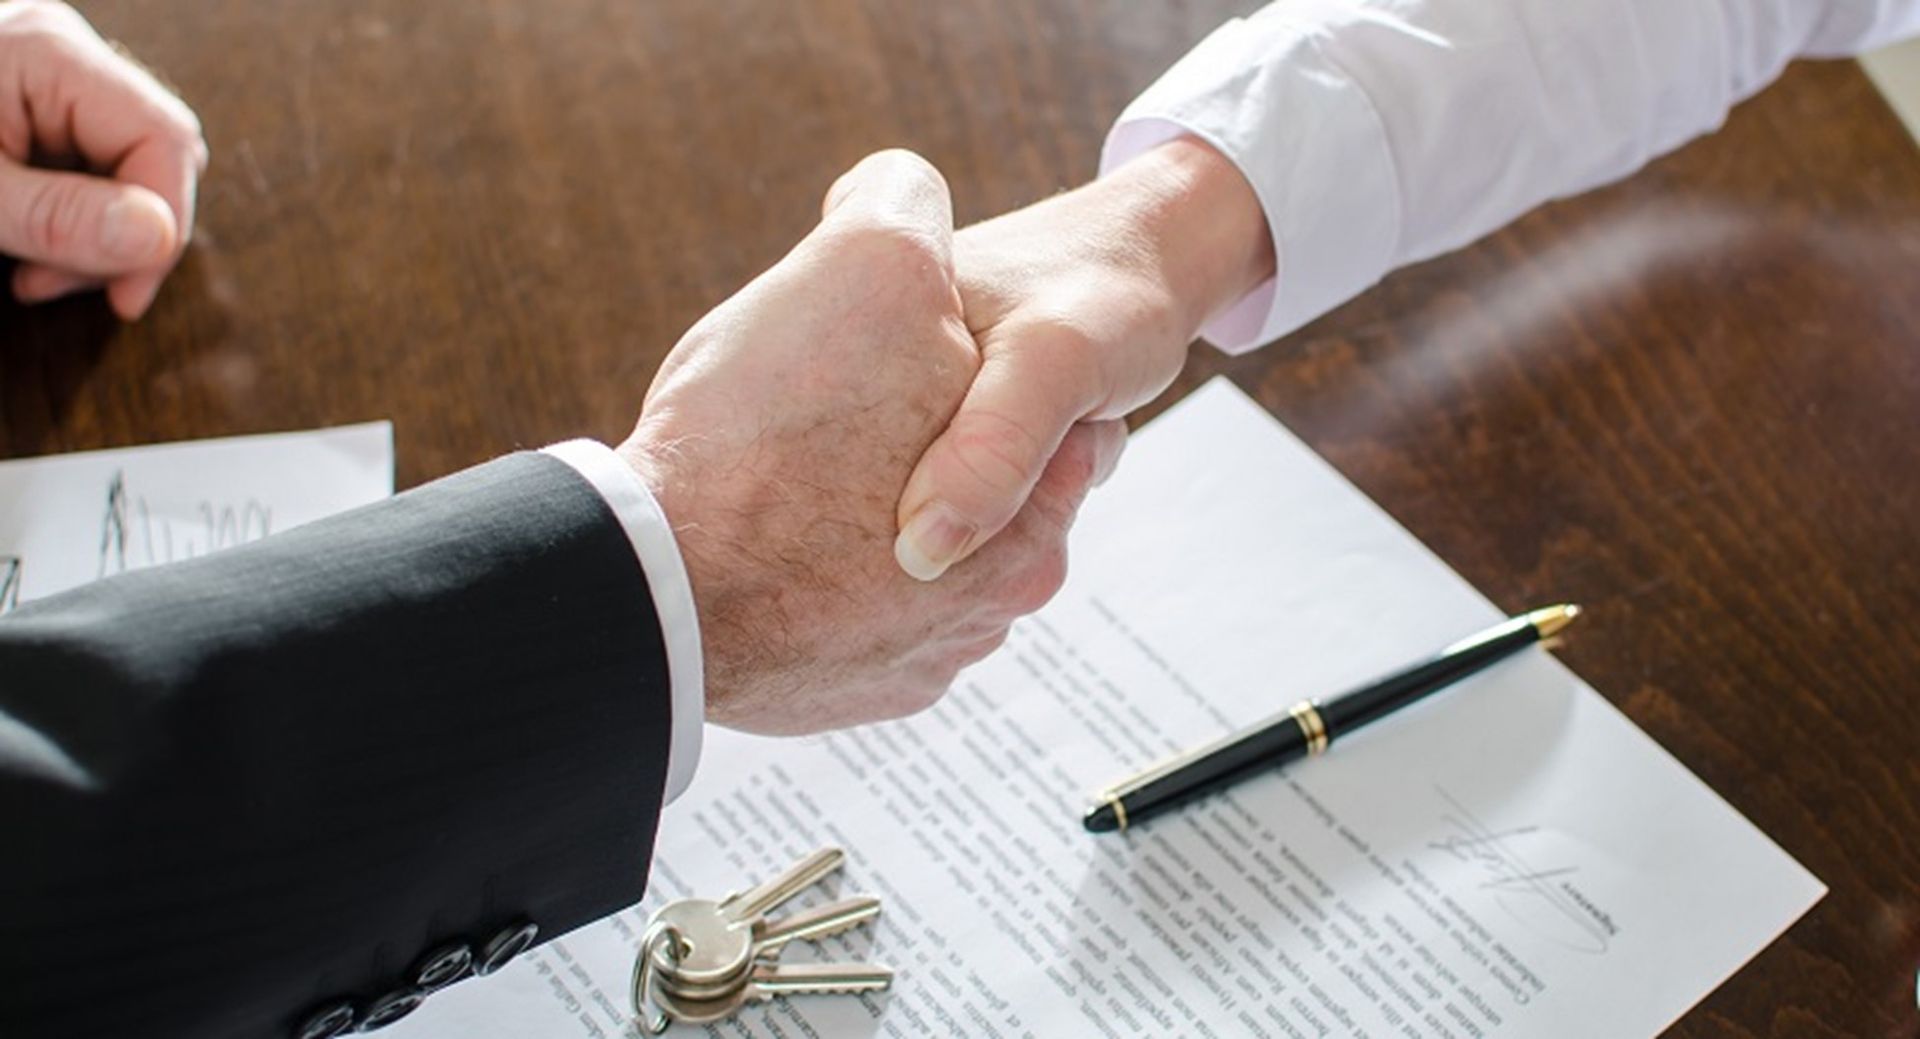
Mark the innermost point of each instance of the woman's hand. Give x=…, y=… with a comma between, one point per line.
x=1083, y=306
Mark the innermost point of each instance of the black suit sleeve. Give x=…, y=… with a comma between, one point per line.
x=240, y=791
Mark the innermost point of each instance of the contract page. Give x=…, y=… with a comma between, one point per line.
x=1510, y=857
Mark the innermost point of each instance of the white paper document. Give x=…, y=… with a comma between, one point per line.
x=66, y=520
x=1509, y=858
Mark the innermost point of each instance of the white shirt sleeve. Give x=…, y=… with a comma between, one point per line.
x=653, y=542
x=1378, y=133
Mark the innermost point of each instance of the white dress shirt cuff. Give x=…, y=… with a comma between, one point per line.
x=659, y=554
x=1327, y=182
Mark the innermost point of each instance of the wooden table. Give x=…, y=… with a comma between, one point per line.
x=1691, y=402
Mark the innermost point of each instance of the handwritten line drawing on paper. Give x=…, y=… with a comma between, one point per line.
x=10, y=568
x=162, y=540
x=96, y=514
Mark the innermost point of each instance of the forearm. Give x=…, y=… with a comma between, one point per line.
x=1376, y=135
x=1194, y=221
x=1292, y=160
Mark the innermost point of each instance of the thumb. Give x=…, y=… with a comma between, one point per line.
x=84, y=224
x=977, y=474
x=893, y=190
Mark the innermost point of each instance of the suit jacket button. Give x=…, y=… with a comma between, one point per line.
x=443, y=966
x=329, y=1021
x=391, y=1007
x=504, y=946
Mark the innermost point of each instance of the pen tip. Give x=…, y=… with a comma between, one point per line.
x=1101, y=818
x=1552, y=620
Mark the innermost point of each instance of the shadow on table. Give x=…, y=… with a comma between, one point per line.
x=49, y=353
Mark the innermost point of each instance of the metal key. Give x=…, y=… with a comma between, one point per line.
x=754, y=902
x=769, y=981
x=710, y=948
x=769, y=938
x=704, y=957
x=718, y=940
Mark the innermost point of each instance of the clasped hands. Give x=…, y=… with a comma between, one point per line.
x=870, y=455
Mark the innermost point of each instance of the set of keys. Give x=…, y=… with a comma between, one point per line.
x=703, y=961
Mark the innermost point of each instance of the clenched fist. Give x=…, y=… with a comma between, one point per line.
x=98, y=162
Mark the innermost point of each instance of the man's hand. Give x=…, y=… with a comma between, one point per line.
x=777, y=436
x=68, y=99
x=1083, y=306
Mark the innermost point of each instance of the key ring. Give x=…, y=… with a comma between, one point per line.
x=643, y=972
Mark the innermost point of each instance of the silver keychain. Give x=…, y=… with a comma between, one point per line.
x=702, y=961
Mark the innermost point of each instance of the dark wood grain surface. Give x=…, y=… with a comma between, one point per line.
x=1690, y=402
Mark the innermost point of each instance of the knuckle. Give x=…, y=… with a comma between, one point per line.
x=1040, y=581
x=1066, y=345
x=986, y=647
x=898, y=255
x=53, y=214
x=909, y=164
x=46, y=26
x=917, y=265
x=186, y=133
x=893, y=239
x=34, y=34
x=915, y=697
x=1077, y=464
x=34, y=17
x=995, y=452
x=189, y=142
x=935, y=691
x=1061, y=355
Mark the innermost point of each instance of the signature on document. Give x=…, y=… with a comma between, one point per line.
x=1540, y=896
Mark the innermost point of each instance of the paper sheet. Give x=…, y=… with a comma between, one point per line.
x=1510, y=858
x=69, y=519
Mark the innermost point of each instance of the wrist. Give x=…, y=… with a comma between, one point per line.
x=652, y=464
x=722, y=588
x=1199, y=227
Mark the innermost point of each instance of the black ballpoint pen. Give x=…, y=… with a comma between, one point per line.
x=1310, y=726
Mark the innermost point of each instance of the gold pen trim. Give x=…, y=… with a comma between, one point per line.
x=1552, y=620
x=1312, y=726
x=1305, y=714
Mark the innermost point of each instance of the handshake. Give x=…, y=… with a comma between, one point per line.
x=870, y=455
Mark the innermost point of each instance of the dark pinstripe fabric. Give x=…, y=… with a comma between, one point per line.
x=235, y=788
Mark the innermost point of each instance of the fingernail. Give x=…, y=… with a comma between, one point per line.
x=931, y=541
x=132, y=230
